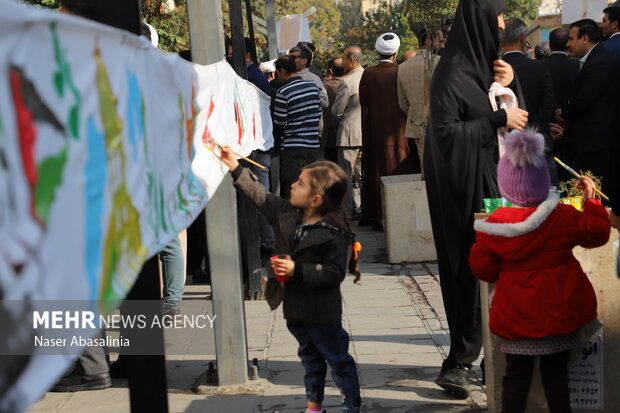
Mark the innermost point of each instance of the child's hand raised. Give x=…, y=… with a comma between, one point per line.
x=586, y=185
x=228, y=157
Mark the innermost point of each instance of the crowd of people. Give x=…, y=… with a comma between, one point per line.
x=560, y=100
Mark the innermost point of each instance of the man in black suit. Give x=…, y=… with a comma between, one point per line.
x=563, y=70
x=536, y=85
x=589, y=112
x=611, y=30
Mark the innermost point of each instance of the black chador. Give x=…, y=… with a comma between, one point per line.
x=461, y=155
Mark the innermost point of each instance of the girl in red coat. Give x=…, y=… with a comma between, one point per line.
x=544, y=305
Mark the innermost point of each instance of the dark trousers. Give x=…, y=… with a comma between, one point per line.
x=554, y=375
x=292, y=160
x=320, y=345
x=465, y=347
x=93, y=360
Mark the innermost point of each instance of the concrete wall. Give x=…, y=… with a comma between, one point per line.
x=407, y=221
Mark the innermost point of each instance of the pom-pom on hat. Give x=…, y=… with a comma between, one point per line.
x=522, y=172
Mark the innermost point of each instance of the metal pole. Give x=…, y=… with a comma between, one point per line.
x=270, y=16
x=207, y=39
x=248, y=13
x=236, y=35
x=248, y=218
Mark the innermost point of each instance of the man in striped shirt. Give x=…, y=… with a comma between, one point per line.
x=296, y=113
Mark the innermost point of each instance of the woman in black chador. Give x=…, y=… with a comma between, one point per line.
x=460, y=159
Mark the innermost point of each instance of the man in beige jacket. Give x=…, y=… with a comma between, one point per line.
x=347, y=115
x=411, y=91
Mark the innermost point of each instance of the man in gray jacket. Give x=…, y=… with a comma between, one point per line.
x=347, y=114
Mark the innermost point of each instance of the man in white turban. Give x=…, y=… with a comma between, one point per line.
x=385, y=150
x=387, y=45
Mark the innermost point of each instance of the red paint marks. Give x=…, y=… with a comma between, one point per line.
x=207, y=141
x=189, y=125
x=27, y=136
x=239, y=121
x=254, y=125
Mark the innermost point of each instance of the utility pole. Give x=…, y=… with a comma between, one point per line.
x=270, y=16
x=207, y=44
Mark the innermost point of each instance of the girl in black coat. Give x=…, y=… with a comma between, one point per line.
x=312, y=230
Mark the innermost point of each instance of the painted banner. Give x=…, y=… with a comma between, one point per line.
x=98, y=130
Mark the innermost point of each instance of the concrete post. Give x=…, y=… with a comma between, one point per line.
x=207, y=39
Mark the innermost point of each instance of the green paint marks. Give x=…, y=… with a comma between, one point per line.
x=182, y=203
x=63, y=80
x=49, y=172
x=123, y=247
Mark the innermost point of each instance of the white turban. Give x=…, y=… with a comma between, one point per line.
x=387, y=44
x=268, y=67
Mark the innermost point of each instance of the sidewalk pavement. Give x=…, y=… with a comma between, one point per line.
x=398, y=338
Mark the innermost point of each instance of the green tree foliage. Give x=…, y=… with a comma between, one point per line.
x=524, y=9
x=385, y=18
x=324, y=25
x=333, y=26
x=171, y=25
x=50, y=4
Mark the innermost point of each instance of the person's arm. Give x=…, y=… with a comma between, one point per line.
x=484, y=264
x=330, y=272
x=247, y=183
x=340, y=101
x=593, y=223
x=323, y=95
x=280, y=110
x=403, y=101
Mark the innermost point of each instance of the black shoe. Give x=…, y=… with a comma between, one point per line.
x=77, y=382
x=455, y=381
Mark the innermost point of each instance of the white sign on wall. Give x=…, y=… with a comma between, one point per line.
x=586, y=376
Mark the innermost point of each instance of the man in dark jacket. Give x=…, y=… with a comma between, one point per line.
x=589, y=112
x=536, y=86
x=611, y=30
x=255, y=76
x=562, y=68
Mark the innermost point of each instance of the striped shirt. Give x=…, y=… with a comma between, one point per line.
x=297, y=110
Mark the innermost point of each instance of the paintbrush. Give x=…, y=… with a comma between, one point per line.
x=572, y=171
x=239, y=155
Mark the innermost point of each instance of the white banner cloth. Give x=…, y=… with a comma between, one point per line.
x=97, y=133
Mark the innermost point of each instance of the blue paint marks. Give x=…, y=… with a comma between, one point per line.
x=95, y=175
x=135, y=118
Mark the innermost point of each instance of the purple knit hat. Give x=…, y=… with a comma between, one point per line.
x=522, y=172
